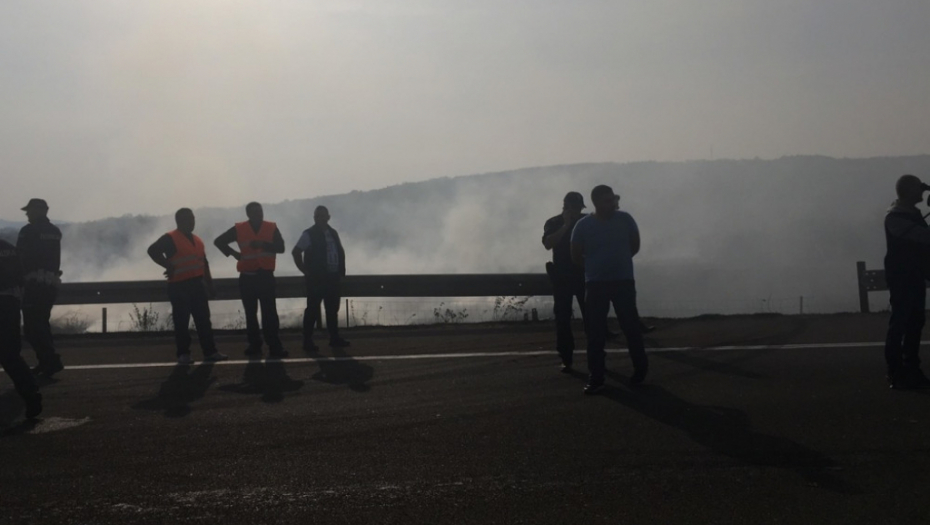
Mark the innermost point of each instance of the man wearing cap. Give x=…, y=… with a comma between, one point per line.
x=182, y=255
x=907, y=267
x=605, y=243
x=259, y=241
x=11, y=282
x=320, y=257
x=567, y=277
x=39, y=248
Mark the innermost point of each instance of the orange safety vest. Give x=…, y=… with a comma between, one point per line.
x=254, y=259
x=189, y=259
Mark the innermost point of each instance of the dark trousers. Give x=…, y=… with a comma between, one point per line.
x=10, y=347
x=38, y=301
x=259, y=289
x=600, y=295
x=327, y=291
x=908, y=305
x=565, y=289
x=189, y=299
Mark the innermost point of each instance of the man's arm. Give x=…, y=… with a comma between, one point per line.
x=224, y=240
x=298, y=259
x=634, y=237
x=906, y=229
x=303, y=244
x=277, y=243
x=553, y=237
x=578, y=253
x=157, y=252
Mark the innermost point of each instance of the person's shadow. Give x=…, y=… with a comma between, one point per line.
x=342, y=369
x=182, y=388
x=728, y=431
x=269, y=379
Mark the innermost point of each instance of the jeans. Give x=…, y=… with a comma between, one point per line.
x=38, y=300
x=10, y=347
x=189, y=299
x=908, y=305
x=327, y=291
x=600, y=295
x=258, y=289
x=565, y=289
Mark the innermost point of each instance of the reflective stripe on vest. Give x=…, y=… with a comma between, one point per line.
x=254, y=259
x=189, y=259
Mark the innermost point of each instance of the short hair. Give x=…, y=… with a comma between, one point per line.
x=320, y=207
x=599, y=190
x=904, y=181
x=182, y=211
x=251, y=205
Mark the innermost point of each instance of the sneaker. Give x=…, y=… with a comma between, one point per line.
x=33, y=405
x=185, y=359
x=253, y=351
x=592, y=389
x=338, y=342
x=278, y=354
x=215, y=356
x=47, y=370
x=638, y=376
x=920, y=380
x=566, y=369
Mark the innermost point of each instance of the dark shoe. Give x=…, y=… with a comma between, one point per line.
x=253, y=351
x=566, y=369
x=920, y=381
x=48, y=370
x=311, y=348
x=338, y=342
x=646, y=328
x=592, y=389
x=33, y=405
x=278, y=354
x=913, y=379
x=215, y=357
x=638, y=376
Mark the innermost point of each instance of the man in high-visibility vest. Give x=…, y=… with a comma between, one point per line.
x=39, y=248
x=11, y=290
x=259, y=241
x=182, y=255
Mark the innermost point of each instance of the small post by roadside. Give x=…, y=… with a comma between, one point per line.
x=801, y=308
x=103, y=326
x=347, y=313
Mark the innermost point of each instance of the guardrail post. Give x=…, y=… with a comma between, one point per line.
x=863, y=293
x=103, y=326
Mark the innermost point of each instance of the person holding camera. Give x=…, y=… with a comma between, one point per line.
x=907, y=267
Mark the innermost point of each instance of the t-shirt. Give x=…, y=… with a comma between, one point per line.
x=607, y=252
x=561, y=252
x=332, y=251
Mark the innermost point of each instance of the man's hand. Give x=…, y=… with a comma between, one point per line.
x=568, y=216
x=235, y=255
x=169, y=270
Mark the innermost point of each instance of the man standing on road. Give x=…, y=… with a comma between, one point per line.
x=259, y=241
x=11, y=282
x=39, y=247
x=605, y=243
x=567, y=277
x=182, y=255
x=320, y=257
x=907, y=262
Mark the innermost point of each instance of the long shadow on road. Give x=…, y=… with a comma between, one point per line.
x=728, y=431
x=269, y=379
x=344, y=370
x=182, y=388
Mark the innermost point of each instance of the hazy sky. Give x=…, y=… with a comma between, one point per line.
x=114, y=107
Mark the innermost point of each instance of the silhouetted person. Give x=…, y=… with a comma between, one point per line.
x=906, y=270
x=11, y=283
x=567, y=277
x=605, y=243
x=259, y=241
x=320, y=257
x=39, y=247
x=182, y=255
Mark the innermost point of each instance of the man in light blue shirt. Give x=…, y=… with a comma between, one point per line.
x=605, y=243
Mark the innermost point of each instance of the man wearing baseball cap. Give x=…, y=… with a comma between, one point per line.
x=39, y=248
x=567, y=277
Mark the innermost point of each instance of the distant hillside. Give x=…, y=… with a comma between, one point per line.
x=717, y=235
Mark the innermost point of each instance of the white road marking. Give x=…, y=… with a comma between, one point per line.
x=55, y=424
x=466, y=355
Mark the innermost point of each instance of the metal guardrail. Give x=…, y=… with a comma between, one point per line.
x=427, y=285
x=869, y=281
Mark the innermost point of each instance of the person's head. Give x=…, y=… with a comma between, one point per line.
x=254, y=212
x=184, y=218
x=573, y=202
x=909, y=189
x=604, y=199
x=321, y=216
x=36, y=209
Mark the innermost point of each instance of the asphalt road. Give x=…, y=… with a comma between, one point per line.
x=476, y=425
